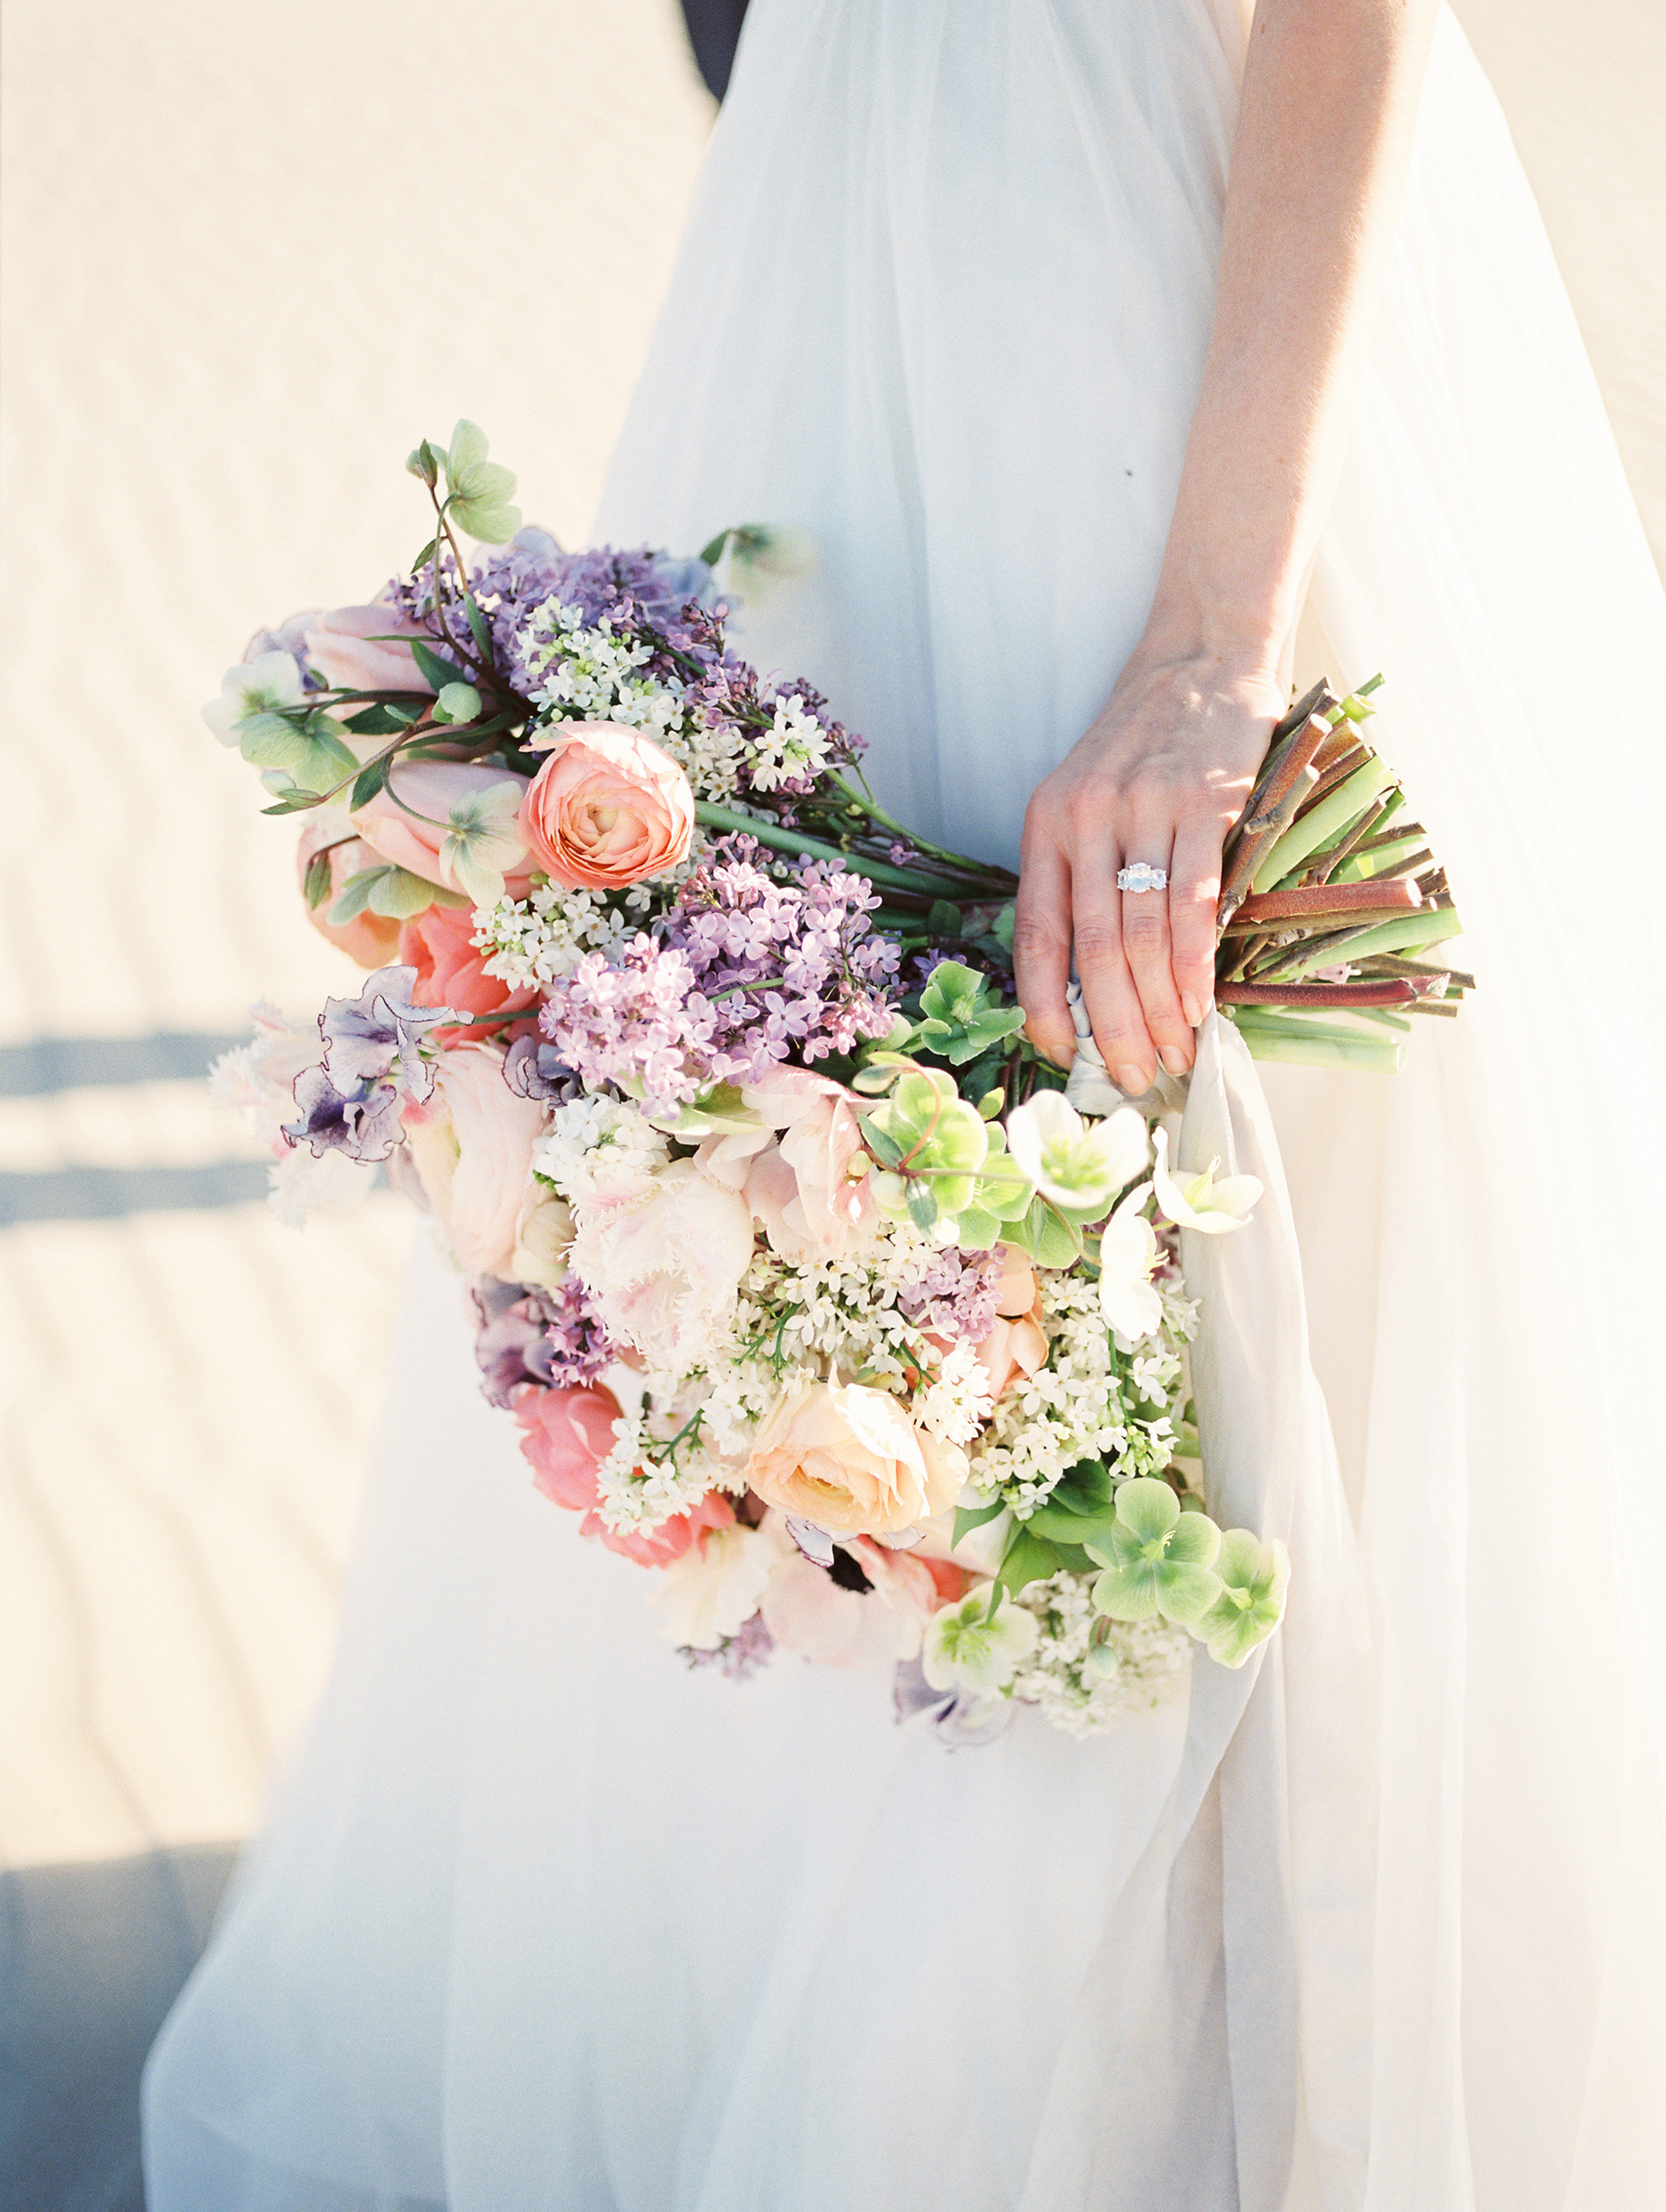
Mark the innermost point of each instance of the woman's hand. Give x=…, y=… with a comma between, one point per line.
x=1161, y=777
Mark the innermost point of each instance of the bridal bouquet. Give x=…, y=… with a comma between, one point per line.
x=806, y=1281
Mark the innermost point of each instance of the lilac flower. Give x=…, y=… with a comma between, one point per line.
x=578, y=1347
x=550, y=1338
x=737, y=1655
x=748, y=969
x=632, y=589
x=363, y=1037
x=953, y=1294
x=364, y=1123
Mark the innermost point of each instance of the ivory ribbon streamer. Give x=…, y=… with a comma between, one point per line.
x=1220, y=2055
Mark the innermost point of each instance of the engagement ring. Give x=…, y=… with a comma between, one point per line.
x=1142, y=877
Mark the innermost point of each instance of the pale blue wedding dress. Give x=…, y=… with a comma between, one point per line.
x=542, y=1923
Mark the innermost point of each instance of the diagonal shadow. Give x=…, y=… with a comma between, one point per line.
x=91, y=1958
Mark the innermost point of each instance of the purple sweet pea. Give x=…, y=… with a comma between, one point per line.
x=364, y=1124
x=364, y=1036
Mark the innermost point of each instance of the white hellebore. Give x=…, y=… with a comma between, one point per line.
x=1198, y=1201
x=966, y=1649
x=715, y=1588
x=1128, y=1254
x=260, y=686
x=1076, y=1163
x=481, y=841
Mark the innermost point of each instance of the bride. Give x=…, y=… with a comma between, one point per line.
x=1127, y=360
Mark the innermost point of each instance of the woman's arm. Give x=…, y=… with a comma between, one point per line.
x=1331, y=94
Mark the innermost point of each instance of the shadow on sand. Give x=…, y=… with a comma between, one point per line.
x=91, y=1958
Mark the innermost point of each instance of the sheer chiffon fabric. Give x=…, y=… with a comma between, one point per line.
x=542, y=1920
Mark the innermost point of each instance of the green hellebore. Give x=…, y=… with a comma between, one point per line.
x=1156, y=1558
x=1254, y=1578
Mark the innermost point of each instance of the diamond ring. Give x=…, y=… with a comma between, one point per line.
x=1142, y=877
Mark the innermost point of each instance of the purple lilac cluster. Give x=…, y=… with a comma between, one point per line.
x=954, y=1294
x=746, y=970
x=632, y=589
x=729, y=694
x=547, y=1338
x=737, y=1655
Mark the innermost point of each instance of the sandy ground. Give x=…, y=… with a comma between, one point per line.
x=250, y=255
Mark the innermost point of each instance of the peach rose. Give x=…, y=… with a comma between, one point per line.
x=565, y=1435
x=607, y=808
x=434, y=791
x=1017, y=1345
x=339, y=645
x=372, y=940
x=471, y=1146
x=798, y=1186
x=850, y=1459
x=451, y=972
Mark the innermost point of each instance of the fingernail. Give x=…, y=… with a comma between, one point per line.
x=1133, y=1081
x=1192, y=1011
x=1172, y=1058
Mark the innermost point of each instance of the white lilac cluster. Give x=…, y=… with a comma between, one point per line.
x=531, y=942
x=792, y=752
x=1091, y=1400
x=595, y=1145
x=1151, y=1658
x=589, y=674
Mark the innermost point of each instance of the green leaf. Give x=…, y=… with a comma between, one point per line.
x=1060, y=1525
x=884, y=1149
x=378, y=721
x=480, y=631
x=923, y=1205
x=1005, y=922
x=1087, y=1489
x=371, y=779
x=991, y=1103
x=427, y=554
x=945, y=918
x=436, y=672
x=354, y=896
x=1029, y=1559
x=712, y=551
x=968, y=1517
x=315, y=884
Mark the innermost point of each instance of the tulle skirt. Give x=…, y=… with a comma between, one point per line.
x=543, y=1921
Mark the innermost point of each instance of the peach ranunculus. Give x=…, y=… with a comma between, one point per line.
x=565, y=1435
x=471, y=1146
x=342, y=646
x=451, y=972
x=850, y=1459
x=662, y=1268
x=372, y=940
x=445, y=808
x=1017, y=1345
x=797, y=1184
x=608, y=808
